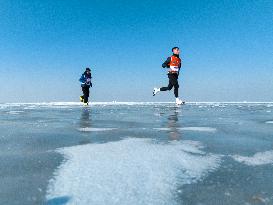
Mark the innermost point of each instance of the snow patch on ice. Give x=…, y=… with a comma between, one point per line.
x=163, y=129
x=130, y=171
x=15, y=112
x=95, y=129
x=260, y=158
x=269, y=122
x=198, y=129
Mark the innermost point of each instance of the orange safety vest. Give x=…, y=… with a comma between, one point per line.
x=174, y=64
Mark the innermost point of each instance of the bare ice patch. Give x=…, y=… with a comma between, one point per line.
x=130, y=171
x=93, y=129
x=269, y=122
x=260, y=158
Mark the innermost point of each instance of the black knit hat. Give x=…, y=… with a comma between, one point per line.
x=88, y=69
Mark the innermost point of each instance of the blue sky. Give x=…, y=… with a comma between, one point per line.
x=227, y=49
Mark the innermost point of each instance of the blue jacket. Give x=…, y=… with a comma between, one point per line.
x=85, y=80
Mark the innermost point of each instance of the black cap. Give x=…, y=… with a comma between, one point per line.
x=87, y=69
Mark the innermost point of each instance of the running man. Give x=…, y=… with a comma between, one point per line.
x=173, y=63
x=85, y=84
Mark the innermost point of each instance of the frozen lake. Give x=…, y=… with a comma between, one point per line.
x=136, y=153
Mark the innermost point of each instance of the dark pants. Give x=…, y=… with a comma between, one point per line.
x=85, y=91
x=173, y=82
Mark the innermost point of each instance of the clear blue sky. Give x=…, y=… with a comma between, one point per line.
x=227, y=49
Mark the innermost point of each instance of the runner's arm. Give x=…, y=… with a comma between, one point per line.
x=166, y=64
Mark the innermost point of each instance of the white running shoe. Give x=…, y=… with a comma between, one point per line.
x=178, y=101
x=156, y=90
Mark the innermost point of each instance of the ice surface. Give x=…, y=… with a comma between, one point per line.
x=207, y=153
x=130, y=171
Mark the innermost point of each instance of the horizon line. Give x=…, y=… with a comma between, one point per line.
x=136, y=102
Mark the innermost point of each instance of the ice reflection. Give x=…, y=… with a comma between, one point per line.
x=173, y=131
x=85, y=120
